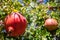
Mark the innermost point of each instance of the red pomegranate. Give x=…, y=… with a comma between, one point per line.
x=51, y=24
x=15, y=24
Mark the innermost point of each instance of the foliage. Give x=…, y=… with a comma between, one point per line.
x=35, y=13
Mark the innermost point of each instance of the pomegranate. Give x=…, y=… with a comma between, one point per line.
x=15, y=24
x=51, y=24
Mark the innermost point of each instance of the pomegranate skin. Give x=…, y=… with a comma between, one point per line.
x=15, y=23
x=51, y=24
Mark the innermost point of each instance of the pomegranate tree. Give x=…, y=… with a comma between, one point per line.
x=15, y=24
x=51, y=24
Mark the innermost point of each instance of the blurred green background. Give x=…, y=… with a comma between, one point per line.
x=36, y=13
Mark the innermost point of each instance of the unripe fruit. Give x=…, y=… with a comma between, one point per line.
x=15, y=24
x=51, y=24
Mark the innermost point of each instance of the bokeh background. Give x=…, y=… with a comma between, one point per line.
x=36, y=12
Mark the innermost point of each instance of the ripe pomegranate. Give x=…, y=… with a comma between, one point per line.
x=51, y=24
x=15, y=24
